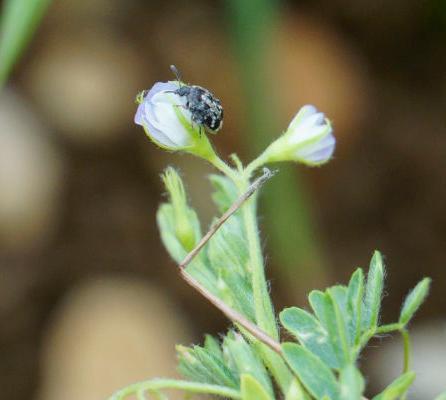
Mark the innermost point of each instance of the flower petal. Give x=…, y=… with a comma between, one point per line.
x=162, y=115
x=309, y=139
x=317, y=152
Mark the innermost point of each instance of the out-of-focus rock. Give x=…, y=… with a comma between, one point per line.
x=30, y=176
x=86, y=84
x=314, y=64
x=109, y=333
x=427, y=360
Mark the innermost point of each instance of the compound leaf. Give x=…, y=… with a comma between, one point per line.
x=317, y=378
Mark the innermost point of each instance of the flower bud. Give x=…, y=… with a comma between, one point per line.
x=184, y=218
x=167, y=121
x=309, y=139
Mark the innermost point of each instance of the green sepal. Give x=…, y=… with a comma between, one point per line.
x=414, y=300
x=397, y=388
x=314, y=374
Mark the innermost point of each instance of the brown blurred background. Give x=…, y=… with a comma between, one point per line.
x=89, y=300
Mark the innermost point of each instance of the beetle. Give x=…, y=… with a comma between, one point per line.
x=206, y=110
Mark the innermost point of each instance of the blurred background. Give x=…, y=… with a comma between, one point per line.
x=89, y=300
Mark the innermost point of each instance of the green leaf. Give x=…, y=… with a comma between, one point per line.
x=324, y=308
x=225, y=192
x=228, y=248
x=373, y=294
x=441, y=396
x=199, y=267
x=238, y=292
x=295, y=391
x=355, y=293
x=245, y=361
x=221, y=373
x=199, y=364
x=351, y=383
x=310, y=333
x=397, y=388
x=413, y=300
x=252, y=389
x=212, y=345
x=317, y=301
x=190, y=366
x=19, y=19
x=317, y=378
x=167, y=225
x=338, y=295
x=227, y=253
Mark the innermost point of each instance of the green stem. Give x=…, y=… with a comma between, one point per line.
x=406, y=359
x=195, y=387
x=264, y=312
x=256, y=163
x=218, y=163
x=273, y=361
x=406, y=347
x=388, y=328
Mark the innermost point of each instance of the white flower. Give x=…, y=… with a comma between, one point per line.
x=309, y=139
x=168, y=123
x=164, y=117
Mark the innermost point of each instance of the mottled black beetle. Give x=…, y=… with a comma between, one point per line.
x=205, y=108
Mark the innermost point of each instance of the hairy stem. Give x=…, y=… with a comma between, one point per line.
x=218, y=163
x=262, y=302
x=406, y=349
x=264, y=311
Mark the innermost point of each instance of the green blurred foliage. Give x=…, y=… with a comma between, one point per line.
x=18, y=22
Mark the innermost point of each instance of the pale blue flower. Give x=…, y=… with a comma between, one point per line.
x=168, y=122
x=309, y=139
x=165, y=119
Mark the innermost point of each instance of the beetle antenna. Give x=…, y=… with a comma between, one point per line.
x=177, y=73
